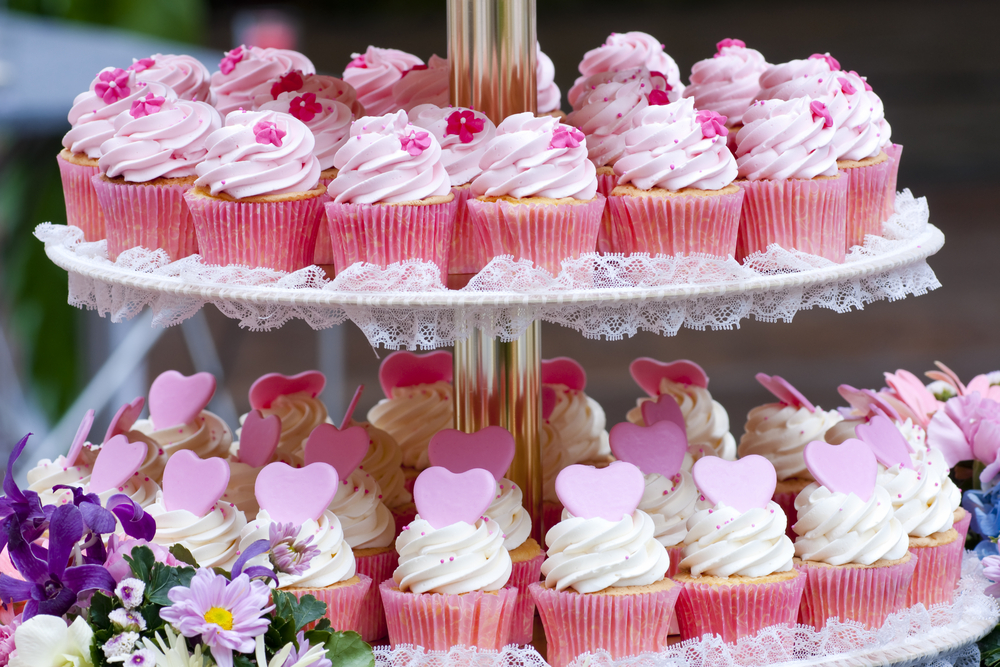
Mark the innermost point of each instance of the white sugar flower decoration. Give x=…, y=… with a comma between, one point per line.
x=120, y=646
x=46, y=641
x=130, y=591
x=128, y=619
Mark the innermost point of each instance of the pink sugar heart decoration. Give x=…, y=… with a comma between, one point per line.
x=784, y=391
x=745, y=484
x=406, y=369
x=864, y=400
x=663, y=408
x=125, y=418
x=444, y=497
x=259, y=438
x=271, y=386
x=491, y=448
x=117, y=460
x=344, y=450
x=849, y=467
x=81, y=437
x=549, y=400
x=563, y=370
x=296, y=495
x=886, y=442
x=658, y=448
x=648, y=372
x=607, y=493
x=192, y=483
x=175, y=399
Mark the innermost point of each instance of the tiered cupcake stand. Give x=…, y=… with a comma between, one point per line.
x=494, y=326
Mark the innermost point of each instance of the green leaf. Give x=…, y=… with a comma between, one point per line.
x=163, y=578
x=346, y=649
x=223, y=572
x=141, y=561
x=100, y=606
x=243, y=660
x=989, y=648
x=307, y=610
x=181, y=553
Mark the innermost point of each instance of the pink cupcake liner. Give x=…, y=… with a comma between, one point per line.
x=676, y=556
x=150, y=216
x=343, y=603
x=894, y=151
x=623, y=625
x=522, y=575
x=605, y=240
x=864, y=594
x=437, y=622
x=787, y=503
x=371, y=614
x=277, y=235
x=807, y=215
x=738, y=610
x=466, y=254
x=865, y=196
x=937, y=573
x=679, y=225
x=82, y=207
x=546, y=234
x=962, y=526
x=383, y=234
x=403, y=516
x=324, y=245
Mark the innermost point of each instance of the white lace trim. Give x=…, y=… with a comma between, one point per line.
x=943, y=636
x=406, y=306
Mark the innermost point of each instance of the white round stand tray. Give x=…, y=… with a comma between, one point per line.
x=944, y=636
x=406, y=305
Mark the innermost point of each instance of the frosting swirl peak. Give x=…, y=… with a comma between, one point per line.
x=374, y=73
x=459, y=558
x=463, y=134
x=244, y=68
x=783, y=140
x=728, y=82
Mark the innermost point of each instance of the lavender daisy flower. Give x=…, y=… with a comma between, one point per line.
x=128, y=619
x=287, y=555
x=130, y=591
x=141, y=658
x=225, y=615
x=120, y=646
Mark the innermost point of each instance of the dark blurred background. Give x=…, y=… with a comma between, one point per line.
x=935, y=66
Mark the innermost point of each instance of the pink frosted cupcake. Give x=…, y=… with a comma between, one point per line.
x=675, y=192
x=449, y=587
x=788, y=171
x=549, y=96
x=146, y=168
x=244, y=69
x=605, y=584
x=257, y=200
x=537, y=196
x=464, y=135
x=374, y=73
x=624, y=50
x=185, y=74
x=392, y=197
x=423, y=84
x=849, y=545
x=737, y=569
x=324, y=87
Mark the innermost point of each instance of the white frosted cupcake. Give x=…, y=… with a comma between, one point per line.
x=178, y=419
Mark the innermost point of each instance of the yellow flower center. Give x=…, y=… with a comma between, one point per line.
x=221, y=617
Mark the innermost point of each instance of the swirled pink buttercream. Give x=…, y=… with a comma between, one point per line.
x=386, y=160
x=324, y=87
x=785, y=139
x=166, y=143
x=536, y=157
x=859, y=117
x=549, y=96
x=423, y=86
x=374, y=73
x=655, y=81
x=811, y=77
x=672, y=147
x=259, y=153
x=463, y=135
x=328, y=120
x=606, y=112
x=244, y=69
x=728, y=82
x=185, y=74
x=626, y=50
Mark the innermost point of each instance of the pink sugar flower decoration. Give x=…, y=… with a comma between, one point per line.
x=729, y=42
x=566, y=137
x=112, y=85
x=142, y=65
x=415, y=143
x=819, y=110
x=863, y=79
x=846, y=87
x=145, y=106
x=289, y=83
x=305, y=107
x=465, y=125
x=658, y=98
x=712, y=124
x=830, y=60
x=266, y=132
x=359, y=62
x=228, y=63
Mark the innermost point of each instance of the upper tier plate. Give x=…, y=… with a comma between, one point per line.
x=404, y=306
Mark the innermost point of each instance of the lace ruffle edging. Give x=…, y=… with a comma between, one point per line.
x=419, y=326
x=940, y=637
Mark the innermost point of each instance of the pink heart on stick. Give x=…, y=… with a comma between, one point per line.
x=658, y=448
x=259, y=438
x=663, y=408
x=849, y=467
x=406, y=369
x=343, y=450
x=744, y=485
x=607, y=493
x=125, y=418
x=549, y=400
x=886, y=442
x=271, y=386
x=648, y=372
x=444, y=497
x=296, y=495
x=349, y=413
x=117, y=460
x=81, y=437
x=192, y=483
x=175, y=399
x=784, y=391
x=865, y=401
x=491, y=448
x=563, y=370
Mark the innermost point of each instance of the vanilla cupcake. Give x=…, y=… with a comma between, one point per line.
x=70, y=469
x=295, y=401
x=179, y=421
x=325, y=87
x=622, y=51
x=244, y=69
x=727, y=82
x=185, y=74
x=374, y=73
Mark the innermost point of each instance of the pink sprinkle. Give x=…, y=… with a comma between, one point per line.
x=451, y=558
x=718, y=527
x=421, y=533
x=442, y=560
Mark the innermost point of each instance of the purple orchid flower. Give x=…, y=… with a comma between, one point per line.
x=21, y=508
x=135, y=522
x=97, y=521
x=49, y=586
x=257, y=548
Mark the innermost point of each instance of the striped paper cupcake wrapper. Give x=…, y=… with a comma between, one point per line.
x=324, y=246
x=895, y=152
x=865, y=196
x=342, y=602
x=371, y=614
x=605, y=238
x=522, y=575
x=466, y=254
x=82, y=207
x=937, y=573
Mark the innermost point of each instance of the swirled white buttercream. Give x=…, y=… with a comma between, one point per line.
x=374, y=73
x=185, y=74
x=580, y=421
x=412, y=416
x=244, y=69
x=48, y=473
x=141, y=489
x=924, y=498
x=779, y=432
x=783, y=140
x=669, y=502
x=728, y=82
x=549, y=97
x=213, y=540
x=624, y=50
x=508, y=512
x=459, y=558
x=460, y=153
x=423, y=86
x=707, y=422
x=722, y=541
x=206, y=436
x=915, y=435
x=384, y=462
x=367, y=522
x=299, y=413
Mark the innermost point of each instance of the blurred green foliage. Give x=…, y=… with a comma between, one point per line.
x=180, y=20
